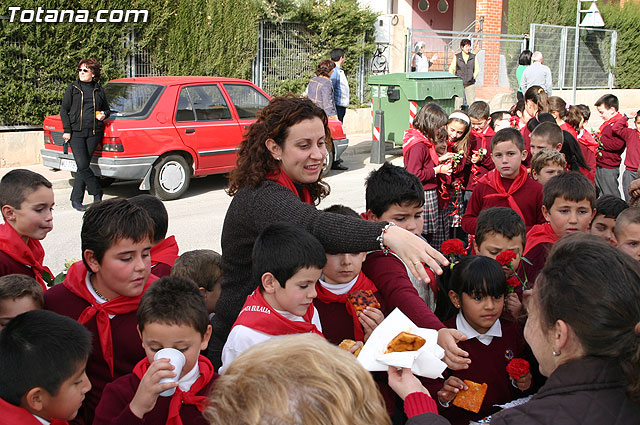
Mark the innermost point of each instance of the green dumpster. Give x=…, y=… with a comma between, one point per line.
x=401, y=95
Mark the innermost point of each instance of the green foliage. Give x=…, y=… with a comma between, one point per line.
x=553, y=12
x=184, y=37
x=625, y=20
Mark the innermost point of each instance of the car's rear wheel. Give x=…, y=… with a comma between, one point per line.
x=171, y=177
x=328, y=160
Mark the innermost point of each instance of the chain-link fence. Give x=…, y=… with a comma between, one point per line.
x=596, y=55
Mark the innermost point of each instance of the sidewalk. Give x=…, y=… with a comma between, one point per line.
x=60, y=179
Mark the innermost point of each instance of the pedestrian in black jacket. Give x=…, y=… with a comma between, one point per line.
x=83, y=111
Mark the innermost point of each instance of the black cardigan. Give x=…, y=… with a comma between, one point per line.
x=71, y=107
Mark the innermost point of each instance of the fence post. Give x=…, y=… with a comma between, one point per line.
x=377, y=144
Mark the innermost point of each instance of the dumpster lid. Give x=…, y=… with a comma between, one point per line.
x=398, y=77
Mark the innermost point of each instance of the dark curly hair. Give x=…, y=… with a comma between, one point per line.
x=325, y=68
x=93, y=65
x=255, y=161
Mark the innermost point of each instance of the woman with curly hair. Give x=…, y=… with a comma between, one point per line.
x=279, y=179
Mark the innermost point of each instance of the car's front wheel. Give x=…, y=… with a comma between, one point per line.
x=171, y=177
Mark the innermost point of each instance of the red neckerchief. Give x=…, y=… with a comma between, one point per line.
x=485, y=135
x=282, y=179
x=30, y=253
x=540, y=233
x=587, y=140
x=412, y=137
x=493, y=179
x=257, y=314
x=76, y=283
x=610, y=121
x=180, y=397
x=165, y=251
x=16, y=415
x=326, y=296
x=567, y=127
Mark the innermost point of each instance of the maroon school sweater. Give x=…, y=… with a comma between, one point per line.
x=483, y=167
x=10, y=266
x=631, y=137
x=127, y=347
x=528, y=198
x=114, y=405
x=417, y=161
x=612, y=147
x=488, y=365
x=390, y=276
x=538, y=257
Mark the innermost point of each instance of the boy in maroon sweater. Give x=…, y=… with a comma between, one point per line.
x=395, y=195
x=632, y=159
x=103, y=290
x=479, y=114
x=171, y=314
x=568, y=206
x=42, y=369
x=612, y=145
x=508, y=185
x=26, y=199
x=164, y=251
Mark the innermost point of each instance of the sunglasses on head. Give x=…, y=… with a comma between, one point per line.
x=83, y=70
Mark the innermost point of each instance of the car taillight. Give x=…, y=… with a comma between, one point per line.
x=111, y=144
x=47, y=137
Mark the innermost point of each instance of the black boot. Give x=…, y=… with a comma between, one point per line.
x=97, y=198
x=78, y=206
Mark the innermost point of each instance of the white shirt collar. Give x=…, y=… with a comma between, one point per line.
x=189, y=379
x=44, y=422
x=338, y=288
x=463, y=326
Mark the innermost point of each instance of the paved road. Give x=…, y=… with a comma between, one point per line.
x=196, y=219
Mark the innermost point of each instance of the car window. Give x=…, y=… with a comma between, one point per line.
x=207, y=103
x=247, y=100
x=131, y=100
x=184, y=111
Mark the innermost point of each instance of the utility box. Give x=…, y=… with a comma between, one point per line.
x=401, y=95
x=382, y=29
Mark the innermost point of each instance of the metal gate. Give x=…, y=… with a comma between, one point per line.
x=596, y=55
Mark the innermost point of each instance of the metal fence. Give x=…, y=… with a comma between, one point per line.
x=497, y=54
x=284, y=53
x=596, y=55
x=138, y=61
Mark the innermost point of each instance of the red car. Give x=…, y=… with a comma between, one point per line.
x=165, y=130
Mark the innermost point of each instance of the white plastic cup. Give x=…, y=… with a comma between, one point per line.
x=178, y=360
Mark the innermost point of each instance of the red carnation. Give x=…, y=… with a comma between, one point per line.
x=513, y=282
x=506, y=257
x=517, y=368
x=453, y=246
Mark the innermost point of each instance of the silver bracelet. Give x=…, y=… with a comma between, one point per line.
x=385, y=249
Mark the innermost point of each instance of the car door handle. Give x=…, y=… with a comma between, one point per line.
x=190, y=130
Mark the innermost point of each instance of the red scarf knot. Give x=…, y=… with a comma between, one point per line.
x=493, y=179
x=30, y=254
x=412, y=137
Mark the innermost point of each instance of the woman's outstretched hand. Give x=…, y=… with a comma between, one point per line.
x=414, y=251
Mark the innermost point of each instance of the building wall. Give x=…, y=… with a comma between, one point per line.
x=464, y=12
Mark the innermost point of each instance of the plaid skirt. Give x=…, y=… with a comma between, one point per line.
x=430, y=209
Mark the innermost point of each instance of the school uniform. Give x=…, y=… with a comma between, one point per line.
x=540, y=239
x=337, y=313
x=117, y=347
x=522, y=194
x=185, y=406
x=391, y=277
x=16, y=256
x=259, y=322
x=163, y=256
x=420, y=159
x=481, y=140
x=632, y=157
x=490, y=353
x=609, y=158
